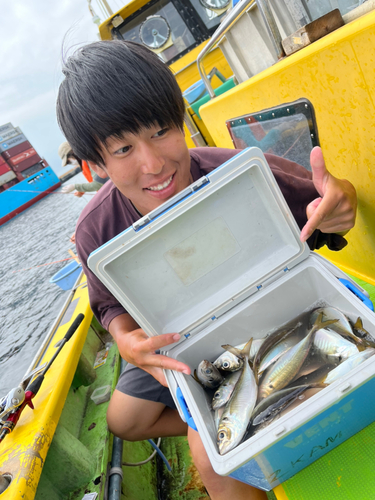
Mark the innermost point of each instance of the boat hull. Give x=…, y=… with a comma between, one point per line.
x=24, y=194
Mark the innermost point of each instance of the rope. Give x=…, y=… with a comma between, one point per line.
x=41, y=265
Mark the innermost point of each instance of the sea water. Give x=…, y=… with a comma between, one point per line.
x=29, y=303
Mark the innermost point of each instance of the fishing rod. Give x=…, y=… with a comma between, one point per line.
x=33, y=387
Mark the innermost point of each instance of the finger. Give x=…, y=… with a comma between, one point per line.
x=322, y=212
x=319, y=170
x=311, y=207
x=167, y=363
x=159, y=341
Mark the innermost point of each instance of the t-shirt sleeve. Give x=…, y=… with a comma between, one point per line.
x=103, y=304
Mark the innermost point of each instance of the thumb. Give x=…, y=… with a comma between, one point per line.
x=320, y=173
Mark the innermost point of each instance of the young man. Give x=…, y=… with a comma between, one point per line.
x=121, y=109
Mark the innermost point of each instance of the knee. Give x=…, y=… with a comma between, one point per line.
x=200, y=457
x=122, y=428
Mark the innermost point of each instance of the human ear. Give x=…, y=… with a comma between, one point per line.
x=98, y=170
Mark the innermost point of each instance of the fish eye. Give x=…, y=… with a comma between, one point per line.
x=208, y=371
x=221, y=435
x=217, y=395
x=226, y=364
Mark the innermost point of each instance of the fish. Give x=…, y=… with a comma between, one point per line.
x=224, y=392
x=217, y=416
x=237, y=413
x=289, y=364
x=342, y=326
x=270, y=341
x=331, y=344
x=274, y=404
x=316, y=376
x=348, y=365
x=230, y=362
x=208, y=375
x=361, y=332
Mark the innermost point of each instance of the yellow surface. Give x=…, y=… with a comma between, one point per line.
x=22, y=453
x=337, y=75
x=106, y=27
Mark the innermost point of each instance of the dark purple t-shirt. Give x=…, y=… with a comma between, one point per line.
x=110, y=212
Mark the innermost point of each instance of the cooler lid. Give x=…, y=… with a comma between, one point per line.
x=209, y=247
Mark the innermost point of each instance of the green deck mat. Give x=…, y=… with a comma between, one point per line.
x=345, y=473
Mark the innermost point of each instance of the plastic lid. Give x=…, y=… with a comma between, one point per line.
x=218, y=243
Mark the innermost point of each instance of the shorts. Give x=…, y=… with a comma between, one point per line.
x=139, y=384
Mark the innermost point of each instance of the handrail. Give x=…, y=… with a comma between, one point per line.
x=228, y=22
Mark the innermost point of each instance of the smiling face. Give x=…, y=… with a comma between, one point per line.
x=148, y=167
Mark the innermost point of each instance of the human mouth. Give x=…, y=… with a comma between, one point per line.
x=162, y=186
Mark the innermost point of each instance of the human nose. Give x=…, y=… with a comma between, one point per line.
x=152, y=160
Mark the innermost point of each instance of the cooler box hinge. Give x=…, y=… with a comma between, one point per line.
x=273, y=278
x=185, y=193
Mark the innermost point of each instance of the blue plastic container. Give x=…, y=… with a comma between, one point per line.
x=67, y=276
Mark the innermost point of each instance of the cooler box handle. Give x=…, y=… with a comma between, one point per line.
x=358, y=293
x=185, y=409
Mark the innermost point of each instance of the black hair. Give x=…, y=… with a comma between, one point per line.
x=111, y=88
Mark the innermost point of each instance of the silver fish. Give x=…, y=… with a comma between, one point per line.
x=331, y=344
x=224, y=392
x=288, y=366
x=270, y=341
x=208, y=375
x=217, y=416
x=229, y=362
x=236, y=416
x=342, y=325
x=348, y=365
x=274, y=404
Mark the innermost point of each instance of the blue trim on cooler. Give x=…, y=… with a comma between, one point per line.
x=185, y=410
x=357, y=292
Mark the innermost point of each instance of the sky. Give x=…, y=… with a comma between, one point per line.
x=32, y=36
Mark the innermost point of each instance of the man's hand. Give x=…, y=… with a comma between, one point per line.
x=335, y=210
x=79, y=194
x=139, y=349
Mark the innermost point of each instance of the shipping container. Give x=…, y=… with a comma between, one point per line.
x=33, y=169
x=5, y=136
x=6, y=177
x=6, y=128
x=9, y=153
x=23, y=165
x=20, y=157
x=18, y=139
x=4, y=167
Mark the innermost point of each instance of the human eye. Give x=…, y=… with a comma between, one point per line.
x=123, y=150
x=161, y=132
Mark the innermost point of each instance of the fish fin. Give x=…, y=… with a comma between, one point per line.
x=243, y=353
x=358, y=325
x=319, y=324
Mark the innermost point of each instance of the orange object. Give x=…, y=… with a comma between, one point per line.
x=86, y=171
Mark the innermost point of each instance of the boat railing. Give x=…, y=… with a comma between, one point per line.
x=227, y=23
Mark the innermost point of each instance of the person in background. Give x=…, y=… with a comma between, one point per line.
x=94, y=181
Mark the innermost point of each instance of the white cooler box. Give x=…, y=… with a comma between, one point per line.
x=220, y=263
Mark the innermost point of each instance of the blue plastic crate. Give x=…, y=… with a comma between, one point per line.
x=67, y=276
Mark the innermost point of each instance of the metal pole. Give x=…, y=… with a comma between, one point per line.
x=196, y=136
